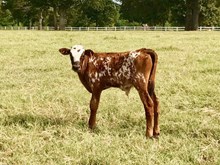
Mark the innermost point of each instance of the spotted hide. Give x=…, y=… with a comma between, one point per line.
x=124, y=70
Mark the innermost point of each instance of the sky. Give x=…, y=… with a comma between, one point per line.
x=116, y=2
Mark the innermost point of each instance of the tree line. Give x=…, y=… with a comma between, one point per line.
x=62, y=13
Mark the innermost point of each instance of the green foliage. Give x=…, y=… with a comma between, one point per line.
x=21, y=10
x=44, y=108
x=177, y=15
x=210, y=13
x=174, y=12
x=108, y=13
x=151, y=12
x=123, y=22
x=6, y=18
x=100, y=12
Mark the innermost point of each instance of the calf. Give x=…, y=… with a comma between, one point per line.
x=99, y=71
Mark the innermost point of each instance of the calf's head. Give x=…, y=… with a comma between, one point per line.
x=75, y=54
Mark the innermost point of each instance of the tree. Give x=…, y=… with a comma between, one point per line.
x=177, y=13
x=100, y=12
x=210, y=13
x=152, y=12
x=192, y=14
x=5, y=15
x=40, y=7
x=22, y=11
x=61, y=13
x=60, y=8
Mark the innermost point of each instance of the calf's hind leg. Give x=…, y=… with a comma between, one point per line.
x=149, y=111
x=156, y=131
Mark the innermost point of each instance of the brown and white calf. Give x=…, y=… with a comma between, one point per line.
x=99, y=71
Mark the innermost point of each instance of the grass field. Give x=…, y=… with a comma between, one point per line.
x=44, y=108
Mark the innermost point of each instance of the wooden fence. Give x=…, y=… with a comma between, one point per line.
x=118, y=28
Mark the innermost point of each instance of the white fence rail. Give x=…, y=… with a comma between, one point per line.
x=118, y=28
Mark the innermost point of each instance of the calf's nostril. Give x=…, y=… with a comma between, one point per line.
x=76, y=64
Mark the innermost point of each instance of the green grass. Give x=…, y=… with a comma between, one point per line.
x=44, y=108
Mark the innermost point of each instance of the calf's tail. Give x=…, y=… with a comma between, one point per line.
x=151, y=83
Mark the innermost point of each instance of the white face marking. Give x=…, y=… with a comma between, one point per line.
x=77, y=51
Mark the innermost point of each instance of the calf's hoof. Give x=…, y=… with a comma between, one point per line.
x=149, y=134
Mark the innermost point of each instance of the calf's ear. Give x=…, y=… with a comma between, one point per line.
x=64, y=51
x=88, y=52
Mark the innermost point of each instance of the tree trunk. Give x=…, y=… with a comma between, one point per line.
x=40, y=26
x=55, y=15
x=30, y=23
x=62, y=20
x=192, y=14
x=17, y=22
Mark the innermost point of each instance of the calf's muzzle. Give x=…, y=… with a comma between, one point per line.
x=76, y=66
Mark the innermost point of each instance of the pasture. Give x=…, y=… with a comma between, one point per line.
x=44, y=108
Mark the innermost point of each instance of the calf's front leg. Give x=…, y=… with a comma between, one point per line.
x=94, y=103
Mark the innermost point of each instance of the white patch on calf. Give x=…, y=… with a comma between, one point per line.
x=108, y=59
x=126, y=69
x=134, y=54
x=123, y=76
x=94, y=77
x=140, y=77
x=93, y=80
x=91, y=59
x=77, y=51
